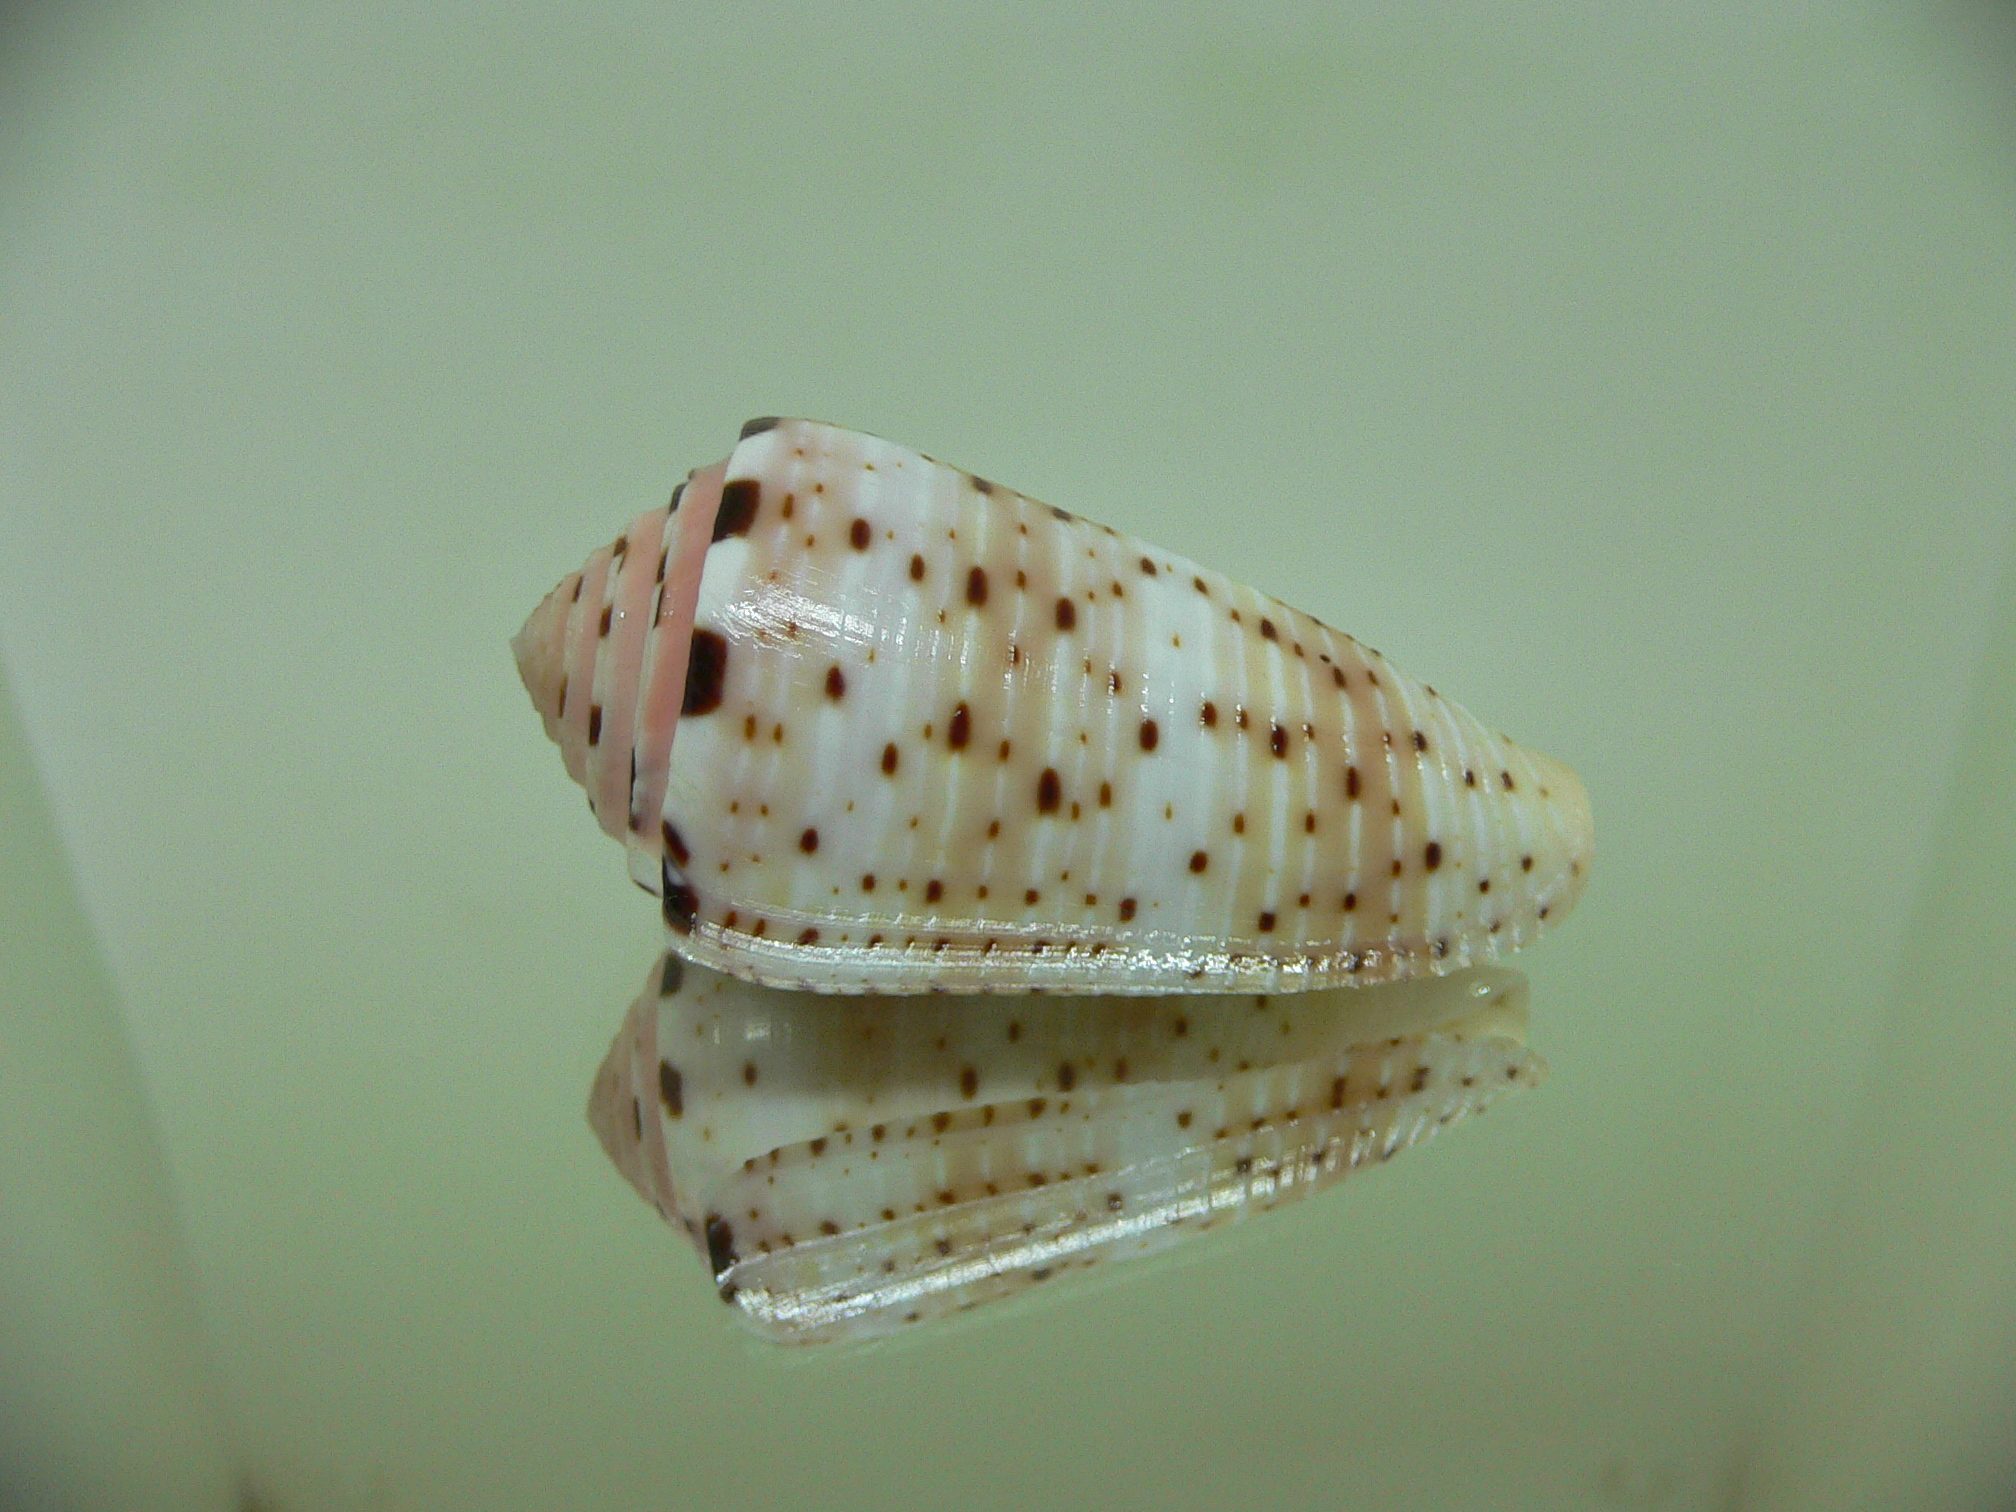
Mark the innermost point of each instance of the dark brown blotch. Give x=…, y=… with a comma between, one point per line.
x=1432, y=856
x=969, y=1082
x=916, y=568
x=809, y=841
x=858, y=534
x=682, y=904
x=1126, y=909
x=889, y=759
x=671, y=1089
x=960, y=728
x=738, y=508
x=706, y=667
x=1067, y=614
x=976, y=587
x=1198, y=861
x=836, y=682
x=1277, y=742
x=675, y=843
x=720, y=1239
x=1150, y=735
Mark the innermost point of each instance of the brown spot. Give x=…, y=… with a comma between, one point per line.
x=1198, y=861
x=748, y=1073
x=1126, y=909
x=1309, y=822
x=1351, y=782
x=1033, y=896
x=1432, y=856
x=836, y=682
x=969, y=1081
x=1350, y=902
x=1209, y=714
x=982, y=486
x=1105, y=795
x=671, y=1089
x=809, y=841
x=1277, y=742
x=1505, y=779
x=889, y=759
x=1337, y=676
x=1238, y=824
x=1268, y=631
x=675, y=843
x=608, y=613
x=1526, y=863
x=1067, y=614
x=933, y=890
x=1049, y=791
x=1150, y=736
x=858, y=534
x=594, y=724
x=960, y=729
x=1266, y=923
x=1420, y=741
x=976, y=587
x=916, y=568
x=706, y=665
x=1147, y=568
x=563, y=698
x=1067, y=1076
x=868, y=882
x=738, y=508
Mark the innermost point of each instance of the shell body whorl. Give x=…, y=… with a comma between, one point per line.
x=868, y=723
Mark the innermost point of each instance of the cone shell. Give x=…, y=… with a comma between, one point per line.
x=867, y=722
x=848, y=1167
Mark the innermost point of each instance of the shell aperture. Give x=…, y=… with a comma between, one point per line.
x=865, y=722
x=850, y=1166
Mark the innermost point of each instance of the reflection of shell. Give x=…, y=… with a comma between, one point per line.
x=868, y=722
x=848, y=1166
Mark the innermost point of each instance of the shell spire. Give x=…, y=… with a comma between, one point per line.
x=865, y=722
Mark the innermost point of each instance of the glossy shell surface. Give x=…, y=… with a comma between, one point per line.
x=850, y=1166
x=866, y=722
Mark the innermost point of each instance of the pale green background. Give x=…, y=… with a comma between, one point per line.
x=1646, y=380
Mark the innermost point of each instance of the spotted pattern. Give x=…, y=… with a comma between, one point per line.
x=919, y=1158
x=1131, y=705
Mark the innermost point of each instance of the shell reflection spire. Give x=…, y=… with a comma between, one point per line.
x=868, y=723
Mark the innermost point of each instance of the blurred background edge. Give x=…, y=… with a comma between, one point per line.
x=108, y=1398
x=1900, y=1391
